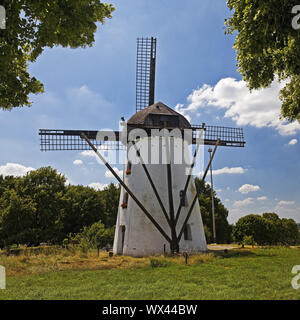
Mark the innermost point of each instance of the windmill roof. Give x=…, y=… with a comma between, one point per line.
x=157, y=108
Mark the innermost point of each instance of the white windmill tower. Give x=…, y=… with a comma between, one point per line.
x=158, y=211
x=159, y=182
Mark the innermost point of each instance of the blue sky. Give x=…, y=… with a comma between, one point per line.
x=196, y=74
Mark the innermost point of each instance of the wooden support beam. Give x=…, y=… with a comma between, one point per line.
x=197, y=194
x=187, y=183
x=174, y=244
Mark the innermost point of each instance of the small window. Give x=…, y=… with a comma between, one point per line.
x=162, y=120
x=187, y=233
x=183, y=201
x=128, y=170
x=125, y=200
x=123, y=230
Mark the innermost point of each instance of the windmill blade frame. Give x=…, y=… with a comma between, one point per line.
x=63, y=140
x=145, y=72
x=67, y=140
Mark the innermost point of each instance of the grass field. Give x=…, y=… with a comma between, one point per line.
x=259, y=273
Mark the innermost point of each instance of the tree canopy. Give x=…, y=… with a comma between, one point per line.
x=33, y=25
x=268, y=47
x=267, y=229
x=40, y=207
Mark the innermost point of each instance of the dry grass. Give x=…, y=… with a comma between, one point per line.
x=65, y=259
x=259, y=273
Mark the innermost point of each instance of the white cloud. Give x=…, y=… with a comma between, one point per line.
x=68, y=182
x=242, y=203
x=14, y=169
x=98, y=186
x=246, y=188
x=18, y=170
x=88, y=153
x=285, y=209
x=258, y=108
x=262, y=198
x=226, y=170
x=103, y=150
x=78, y=162
x=108, y=174
x=285, y=203
x=293, y=142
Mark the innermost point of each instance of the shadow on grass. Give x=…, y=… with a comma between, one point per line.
x=234, y=254
x=240, y=253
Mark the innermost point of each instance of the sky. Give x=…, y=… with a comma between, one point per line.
x=196, y=74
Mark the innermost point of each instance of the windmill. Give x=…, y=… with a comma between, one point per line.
x=158, y=211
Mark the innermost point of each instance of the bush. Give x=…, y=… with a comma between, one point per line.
x=95, y=236
x=248, y=240
x=158, y=263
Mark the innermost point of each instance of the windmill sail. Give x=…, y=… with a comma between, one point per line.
x=62, y=140
x=145, y=72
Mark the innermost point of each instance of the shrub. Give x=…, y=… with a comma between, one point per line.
x=95, y=236
x=159, y=263
x=248, y=240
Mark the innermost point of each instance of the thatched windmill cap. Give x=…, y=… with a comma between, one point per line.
x=156, y=113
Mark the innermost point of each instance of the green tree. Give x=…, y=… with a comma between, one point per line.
x=281, y=231
x=82, y=207
x=33, y=25
x=267, y=47
x=290, y=230
x=223, y=229
x=17, y=215
x=46, y=188
x=8, y=182
x=274, y=230
x=252, y=225
x=111, y=196
x=267, y=229
x=39, y=207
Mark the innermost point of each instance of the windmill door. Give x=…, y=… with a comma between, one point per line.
x=123, y=229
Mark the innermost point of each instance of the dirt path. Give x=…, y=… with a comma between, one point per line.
x=220, y=247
